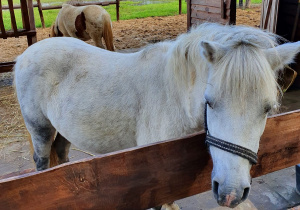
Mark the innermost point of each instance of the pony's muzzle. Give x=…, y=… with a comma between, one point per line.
x=229, y=196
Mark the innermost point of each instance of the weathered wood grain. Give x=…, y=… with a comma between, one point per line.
x=211, y=3
x=208, y=9
x=200, y=11
x=144, y=177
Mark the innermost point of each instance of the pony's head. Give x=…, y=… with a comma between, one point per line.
x=241, y=91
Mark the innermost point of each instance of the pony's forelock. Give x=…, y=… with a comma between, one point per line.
x=244, y=71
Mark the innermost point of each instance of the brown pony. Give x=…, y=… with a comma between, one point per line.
x=85, y=22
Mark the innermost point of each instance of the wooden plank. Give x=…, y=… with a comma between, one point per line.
x=2, y=23
x=25, y=17
x=13, y=18
x=180, y=5
x=17, y=173
x=118, y=9
x=211, y=3
x=6, y=66
x=232, y=16
x=216, y=10
x=144, y=177
x=31, y=39
x=223, y=9
x=211, y=17
x=17, y=6
x=21, y=32
x=202, y=20
x=280, y=144
x=41, y=12
x=60, y=6
x=81, y=4
x=188, y=15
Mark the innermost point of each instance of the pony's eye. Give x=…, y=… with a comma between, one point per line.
x=267, y=109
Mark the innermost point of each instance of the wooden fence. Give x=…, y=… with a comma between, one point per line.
x=105, y=3
x=144, y=177
x=199, y=11
x=28, y=28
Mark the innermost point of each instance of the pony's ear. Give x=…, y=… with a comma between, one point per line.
x=282, y=55
x=212, y=51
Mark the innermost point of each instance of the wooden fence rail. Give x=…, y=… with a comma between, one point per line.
x=144, y=177
x=41, y=8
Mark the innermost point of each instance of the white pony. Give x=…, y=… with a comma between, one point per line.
x=105, y=101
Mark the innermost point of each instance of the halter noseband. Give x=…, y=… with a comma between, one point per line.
x=227, y=146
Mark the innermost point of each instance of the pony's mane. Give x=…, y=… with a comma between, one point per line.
x=236, y=73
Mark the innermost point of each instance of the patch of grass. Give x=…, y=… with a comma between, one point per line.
x=252, y=2
x=128, y=10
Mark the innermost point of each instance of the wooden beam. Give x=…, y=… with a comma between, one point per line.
x=20, y=32
x=144, y=177
x=189, y=18
x=6, y=66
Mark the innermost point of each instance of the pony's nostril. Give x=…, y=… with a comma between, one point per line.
x=215, y=188
x=246, y=193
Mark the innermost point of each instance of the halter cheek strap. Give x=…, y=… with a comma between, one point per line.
x=227, y=146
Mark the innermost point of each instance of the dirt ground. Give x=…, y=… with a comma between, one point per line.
x=14, y=147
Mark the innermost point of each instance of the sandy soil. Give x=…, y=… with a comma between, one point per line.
x=14, y=147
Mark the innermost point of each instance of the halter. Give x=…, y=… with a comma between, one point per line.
x=227, y=146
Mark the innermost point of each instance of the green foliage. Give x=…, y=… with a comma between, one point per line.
x=252, y=2
x=128, y=10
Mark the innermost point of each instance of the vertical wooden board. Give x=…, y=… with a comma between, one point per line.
x=188, y=16
x=25, y=17
x=3, y=33
x=13, y=18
